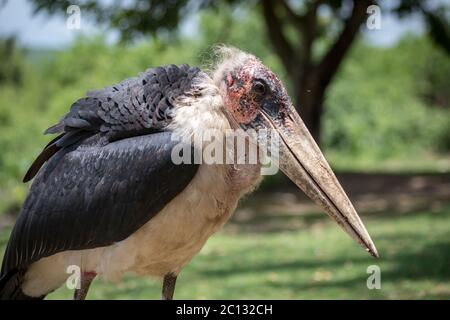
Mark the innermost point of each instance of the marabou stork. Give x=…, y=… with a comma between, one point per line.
x=110, y=200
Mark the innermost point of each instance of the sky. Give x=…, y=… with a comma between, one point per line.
x=44, y=31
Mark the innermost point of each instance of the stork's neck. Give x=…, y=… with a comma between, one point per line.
x=205, y=110
x=200, y=110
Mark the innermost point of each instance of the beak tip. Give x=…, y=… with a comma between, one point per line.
x=372, y=250
x=373, y=253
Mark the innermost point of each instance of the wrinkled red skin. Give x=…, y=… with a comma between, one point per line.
x=240, y=100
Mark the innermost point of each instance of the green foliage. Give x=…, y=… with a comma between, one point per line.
x=434, y=77
x=12, y=71
x=377, y=111
x=378, y=107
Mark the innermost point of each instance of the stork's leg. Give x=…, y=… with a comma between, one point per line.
x=168, y=286
x=85, y=283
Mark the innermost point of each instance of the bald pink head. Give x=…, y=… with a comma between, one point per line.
x=247, y=86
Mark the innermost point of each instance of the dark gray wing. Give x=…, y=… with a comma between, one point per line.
x=94, y=196
x=136, y=106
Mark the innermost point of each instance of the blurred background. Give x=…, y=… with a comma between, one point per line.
x=371, y=83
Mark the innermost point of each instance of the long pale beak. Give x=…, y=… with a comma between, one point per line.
x=302, y=161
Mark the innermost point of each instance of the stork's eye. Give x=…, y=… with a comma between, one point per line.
x=259, y=87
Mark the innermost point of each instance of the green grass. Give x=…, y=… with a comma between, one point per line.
x=317, y=262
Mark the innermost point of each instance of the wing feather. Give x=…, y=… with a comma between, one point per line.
x=135, y=106
x=96, y=196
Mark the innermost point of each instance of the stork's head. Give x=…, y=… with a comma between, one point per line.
x=254, y=98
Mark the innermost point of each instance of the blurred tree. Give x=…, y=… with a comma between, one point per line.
x=310, y=37
x=12, y=70
x=435, y=13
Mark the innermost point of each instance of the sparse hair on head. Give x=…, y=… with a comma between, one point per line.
x=226, y=59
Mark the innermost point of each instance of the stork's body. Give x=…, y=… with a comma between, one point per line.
x=110, y=199
x=166, y=243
